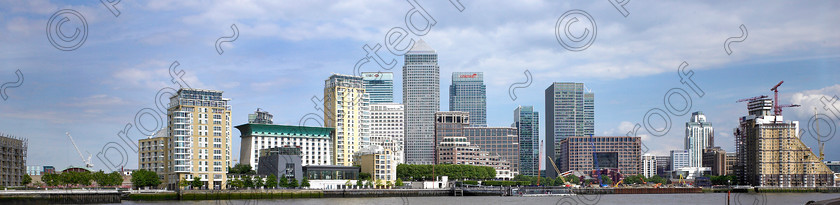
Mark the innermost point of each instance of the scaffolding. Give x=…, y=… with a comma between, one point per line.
x=12, y=160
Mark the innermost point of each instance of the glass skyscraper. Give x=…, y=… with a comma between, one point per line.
x=699, y=135
x=569, y=111
x=421, y=97
x=527, y=122
x=469, y=94
x=379, y=86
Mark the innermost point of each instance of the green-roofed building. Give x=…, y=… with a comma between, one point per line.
x=314, y=142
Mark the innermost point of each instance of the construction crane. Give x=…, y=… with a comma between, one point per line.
x=751, y=99
x=87, y=162
x=595, y=158
x=558, y=172
x=777, y=109
x=819, y=137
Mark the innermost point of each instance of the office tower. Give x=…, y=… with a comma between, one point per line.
x=469, y=94
x=12, y=160
x=569, y=111
x=502, y=141
x=199, y=136
x=679, y=159
x=699, y=135
x=421, y=96
x=613, y=152
x=379, y=86
x=260, y=117
x=313, y=143
x=386, y=128
x=770, y=152
x=649, y=165
x=527, y=121
x=347, y=109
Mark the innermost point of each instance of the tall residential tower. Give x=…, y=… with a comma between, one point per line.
x=346, y=108
x=699, y=135
x=199, y=131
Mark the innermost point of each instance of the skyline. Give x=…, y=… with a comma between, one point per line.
x=279, y=61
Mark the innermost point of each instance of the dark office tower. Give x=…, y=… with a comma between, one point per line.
x=569, y=112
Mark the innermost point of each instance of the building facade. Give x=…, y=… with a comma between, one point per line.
x=12, y=160
x=663, y=165
x=199, y=136
x=614, y=152
x=153, y=154
x=715, y=158
x=468, y=93
x=315, y=143
x=379, y=162
x=772, y=154
x=569, y=111
x=421, y=96
x=347, y=109
x=379, y=86
x=649, y=165
x=527, y=122
x=261, y=117
x=283, y=161
x=679, y=159
x=731, y=161
x=458, y=150
x=502, y=141
x=386, y=128
x=699, y=135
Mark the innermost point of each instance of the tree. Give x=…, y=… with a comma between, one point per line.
x=379, y=183
x=241, y=169
x=304, y=183
x=51, y=179
x=196, y=182
x=606, y=180
x=360, y=183
x=389, y=184
x=293, y=183
x=271, y=181
x=369, y=183
x=399, y=182
x=348, y=183
x=259, y=183
x=183, y=183
x=573, y=179
x=237, y=183
x=248, y=181
x=284, y=182
x=364, y=176
x=657, y=179
x=144, y=178
x=26, y=180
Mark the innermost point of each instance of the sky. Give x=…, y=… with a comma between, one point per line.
x=93, y=68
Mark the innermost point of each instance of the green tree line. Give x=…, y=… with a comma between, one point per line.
x=454, y=171
x=83, y=178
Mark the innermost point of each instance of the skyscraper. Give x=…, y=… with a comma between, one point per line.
x=569, y=111
x=346, y=108
x=527, y=121
x=771, y=153
x=379, y=86
x=199, y=131
x=699, y=135
x=386, y=128
x=679, y=159
x=649, y=165
x=469, y=94
x=421, y=97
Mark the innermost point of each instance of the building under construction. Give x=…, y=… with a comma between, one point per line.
x=770, y=152
x=12, y=160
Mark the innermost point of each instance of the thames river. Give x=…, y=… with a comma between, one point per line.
x=707, y=198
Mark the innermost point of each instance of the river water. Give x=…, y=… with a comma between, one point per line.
x=707, y=198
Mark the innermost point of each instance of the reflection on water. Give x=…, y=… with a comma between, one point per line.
x=710, y=198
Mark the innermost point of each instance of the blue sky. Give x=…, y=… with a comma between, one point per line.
x=285, y=49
